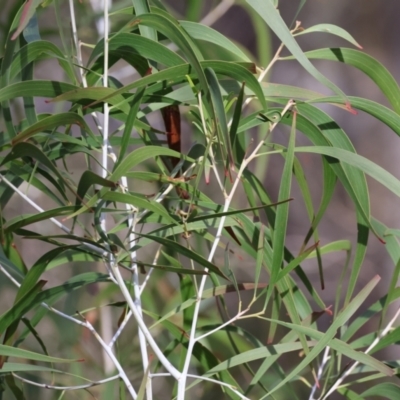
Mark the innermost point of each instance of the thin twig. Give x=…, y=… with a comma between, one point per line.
x=274, y=59
x=125, y=292
x=55, y=387
x=321, y=368
x=192, y=337
x=203, y=378
x=235, y=318
x=110, y=353
x=373, y=344
x=89, y=326
x=233, y=388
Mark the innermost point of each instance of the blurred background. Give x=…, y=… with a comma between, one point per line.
x=373, y=23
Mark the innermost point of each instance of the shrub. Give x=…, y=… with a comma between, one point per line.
x=158, y=241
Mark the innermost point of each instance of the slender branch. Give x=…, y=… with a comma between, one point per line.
x=106, y=317
x=274, y=59
x=373, y=344
x=235, y=318
x=34, y=205
x=192, y=337
x=110, y=353
x=321, y=368
x=89, y=326
x=125, y=292
x=121, y=328
x=45, y=305
x=55, y=387
x=150, y=271
x=138, y=302
x=98, y=250
x=204, y=378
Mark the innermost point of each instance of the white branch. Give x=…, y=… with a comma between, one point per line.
x=192, y=337
x=55, y=387
x=373, y=344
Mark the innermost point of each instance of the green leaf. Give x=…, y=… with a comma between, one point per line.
x=10, y=351
x=36, y=88
x=185, y=252
x=365, y=63
x=134, y=109
x=329, y=28
x=162, y=22
x=29, y=150
x=173, y=75
x=202, y=32
x=322, y=130
x=363, y=164
x=29, y=9
x=38, y=50
x=51, y=295
x=271, y=16
x=327, y=338
x=282, y=213
x=36, y=271
x=209, y=293
x=339, y=245
x=87, y=180
x=74, y=255
x=256, y=354
x=139, y=202
x=380, y=112
x=237, y=144
x=142, y=7
x=8, y=265
x=385, y=390
x=132, y=44
x=365, y=317
x=9, y=367
x=142, y=154
x=50, y=123
x=349, y=394
x=219, y=118
x=138, y=156
x=18, y=310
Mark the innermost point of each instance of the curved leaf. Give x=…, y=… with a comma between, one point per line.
x=365, y=63
x=363, y=164
x=10, y=351
x=36, y=51
x=380, y=112
x=203, y=32
x=131, y=43
x=49, y=123
x=170, y=244
x=271, y=16
x=333, y=29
